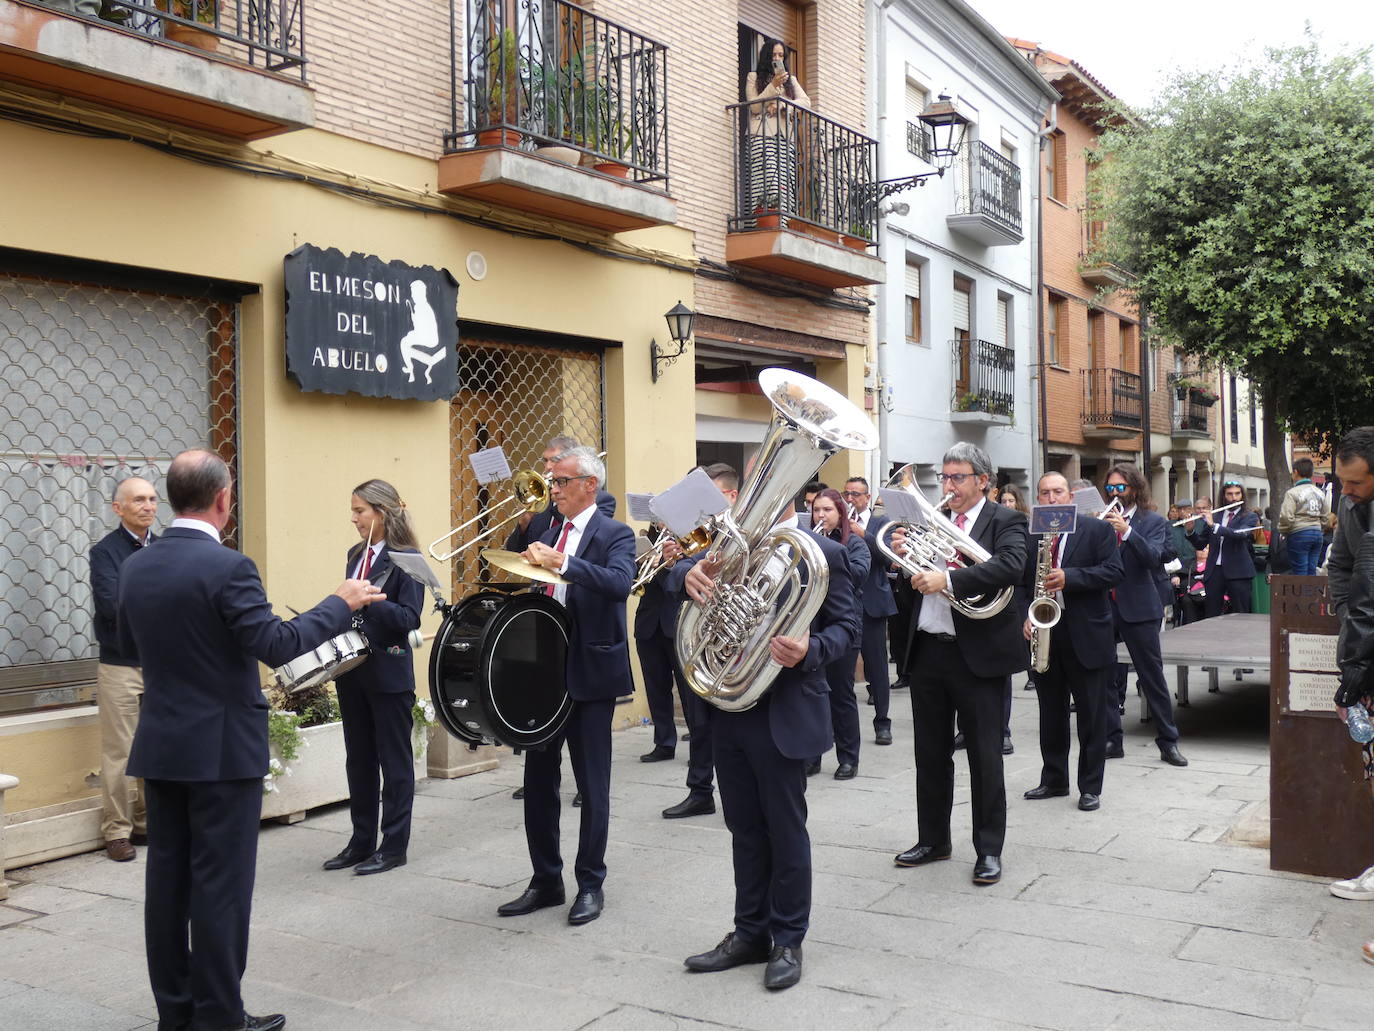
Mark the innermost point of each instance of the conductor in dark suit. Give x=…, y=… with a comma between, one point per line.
x=958, y=666
x=596, y=555
x=377, y=698
x=1227, y=536
x=533, y=527
x=1085, y=566
x=1137, y=608
x=878, y=605
x=197, y=616
x=760, y=755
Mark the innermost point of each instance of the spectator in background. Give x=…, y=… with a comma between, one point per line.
x=1303, y=517
x=1013, y=498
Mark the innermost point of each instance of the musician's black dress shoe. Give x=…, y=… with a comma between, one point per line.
x=518, y=793
x=586, y=907
x=784, y=967
x=1089, y=802
x=658, y=755
x=1171, y=755
x=270, y=1022
x=1007, y=747
x=813, y=768
x=1116, y=751
x=846, y=771
x=988, y=870
x=882, y=736
x=733, y=951
x=959, y=741
x=1045, y=791
x=533, y=898
x=692, y=805
x=577, y=800
x=348, y=857
x=380, y=863
x=918, y=855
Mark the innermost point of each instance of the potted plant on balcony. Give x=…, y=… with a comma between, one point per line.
x=206, y=12
x=969, y=401
x=503, y=81
x=857, y=238
x=1203, y=395
x=555, y=93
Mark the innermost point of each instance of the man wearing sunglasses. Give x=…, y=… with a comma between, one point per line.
x=958, y=668
x=878, y=605
x=1227, y=536
x=1138, y=610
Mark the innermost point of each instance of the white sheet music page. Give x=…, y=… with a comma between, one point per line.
x=638, y=504
x=490, y=465
x=900, y=506
x=689, y=503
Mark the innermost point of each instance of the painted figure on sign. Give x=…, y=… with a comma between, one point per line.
x=421, y=345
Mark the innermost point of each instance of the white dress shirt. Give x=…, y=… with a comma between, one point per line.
x=936, y=615
x=198, y=524
x=579, y=525
x=376, y=553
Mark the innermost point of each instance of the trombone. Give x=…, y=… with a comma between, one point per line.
x=652, y=562
x=529, y=488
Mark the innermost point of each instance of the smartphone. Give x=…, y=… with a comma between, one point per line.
x=777, y=66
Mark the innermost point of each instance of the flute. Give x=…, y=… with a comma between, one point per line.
x=1214, y=511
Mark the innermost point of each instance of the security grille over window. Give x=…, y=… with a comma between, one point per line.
x=96, y=384
x=518, y=396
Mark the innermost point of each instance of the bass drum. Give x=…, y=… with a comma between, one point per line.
x=496, y=669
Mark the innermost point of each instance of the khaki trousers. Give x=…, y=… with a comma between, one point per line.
x=119, y=693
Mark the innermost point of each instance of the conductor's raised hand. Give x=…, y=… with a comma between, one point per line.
x=357, y=593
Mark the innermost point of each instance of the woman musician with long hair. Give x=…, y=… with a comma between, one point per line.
x=377, y=697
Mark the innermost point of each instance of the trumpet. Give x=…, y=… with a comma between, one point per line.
x=939, y=544
x=653, y=562
x=529, y=488
x=1213, y=511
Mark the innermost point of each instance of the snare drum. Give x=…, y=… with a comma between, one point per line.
x=497, y=669
x=329, y=661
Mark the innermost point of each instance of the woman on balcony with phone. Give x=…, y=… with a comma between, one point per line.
x=771, y=146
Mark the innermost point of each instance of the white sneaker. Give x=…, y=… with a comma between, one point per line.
x=1360, y=889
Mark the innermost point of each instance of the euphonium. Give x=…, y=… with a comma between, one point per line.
x=939, y=544
x=1044, y=611
x=772, y=580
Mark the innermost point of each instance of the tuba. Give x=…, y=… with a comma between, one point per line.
x=772, y=580
x=937, y=543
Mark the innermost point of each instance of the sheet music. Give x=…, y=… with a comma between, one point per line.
x=900, y=506
x=638, y=504
x=689, y=503
x=1089, y=500
x=490, y=465
x=415, y=567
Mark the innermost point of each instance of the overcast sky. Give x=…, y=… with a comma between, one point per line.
x=1132, y=50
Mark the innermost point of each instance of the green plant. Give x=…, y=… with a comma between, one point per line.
x=968, y=402
x=422, y=718
x=287, y=714
x=504, y=69
x=203, y=11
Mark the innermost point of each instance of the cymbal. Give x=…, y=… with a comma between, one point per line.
x=512, y=562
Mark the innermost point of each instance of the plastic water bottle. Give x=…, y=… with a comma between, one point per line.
x=1357, y=720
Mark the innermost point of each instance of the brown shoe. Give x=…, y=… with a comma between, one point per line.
x=121, y=850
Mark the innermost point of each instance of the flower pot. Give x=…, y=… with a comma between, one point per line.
x=565, y=155
x=317, y=776
x=767, y=219
x=498, y=138
x=856, y=243
x=820, y=233
x=190, y=37
x=614, y=168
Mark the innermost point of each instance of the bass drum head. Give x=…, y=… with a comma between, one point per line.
x=453, y=666
x=523, y=670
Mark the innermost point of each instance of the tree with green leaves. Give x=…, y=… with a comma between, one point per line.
x=1244, y=204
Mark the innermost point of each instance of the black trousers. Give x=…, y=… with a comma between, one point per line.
x=943, y=687
x=764, y=797
x=874, y=651
x=1241, y=592
x=659, y=664
x=380, y=764
x=700, y=751
x=844, y=708
x=588, y=734
x=1142, y=643
x=1091, y=692
x=201, y=860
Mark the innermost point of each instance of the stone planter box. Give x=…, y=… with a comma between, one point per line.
x=317, y=776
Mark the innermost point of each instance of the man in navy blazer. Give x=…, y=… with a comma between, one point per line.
x=596, y=555
x=196, y=614
x=878, y=606
x=533, y=527
x=1137, y=608
x=1230, y=570
x=760, y=756
x=1085, y=566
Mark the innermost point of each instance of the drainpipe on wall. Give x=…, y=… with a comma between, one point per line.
x=1039, y=258
x=1146, y=457
x=877, y=44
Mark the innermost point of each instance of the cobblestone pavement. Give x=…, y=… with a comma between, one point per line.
x=1142, y=915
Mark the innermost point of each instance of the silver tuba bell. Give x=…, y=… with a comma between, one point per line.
x=772, y=580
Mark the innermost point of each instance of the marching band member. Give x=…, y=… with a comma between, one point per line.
x=596, y=555
x=1228, y=536
x=376, y=698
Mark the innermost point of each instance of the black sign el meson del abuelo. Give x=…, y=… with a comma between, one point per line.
x=372, y=327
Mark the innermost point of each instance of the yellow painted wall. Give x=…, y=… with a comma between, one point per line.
x=53, y=760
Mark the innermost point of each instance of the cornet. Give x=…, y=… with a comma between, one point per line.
x=1115, y=506
x=652, y=562
x=529, y=488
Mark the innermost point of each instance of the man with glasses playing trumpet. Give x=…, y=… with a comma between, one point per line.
x=958, y=661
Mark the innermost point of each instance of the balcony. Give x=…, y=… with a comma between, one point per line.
x=563, y=114
x=804, y=199
x=987, y=197
x=1092, y=266
x=1190, y=418
x=235, y=69
x=984, y=382
x=1113, y=404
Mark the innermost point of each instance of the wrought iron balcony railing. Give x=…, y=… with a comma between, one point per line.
x=797, y=169
x=1190, y=416
x=265, y=33
x=988, y=184
x=918, y=140
x=1112, y=397
x=550, y=73
x=984, y=377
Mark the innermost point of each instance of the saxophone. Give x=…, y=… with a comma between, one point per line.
x=1044, y=611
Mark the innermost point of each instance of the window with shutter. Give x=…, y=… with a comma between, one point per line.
x=1003, y=338
x=912, y=303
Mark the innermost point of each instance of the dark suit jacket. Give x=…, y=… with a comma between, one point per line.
x=1092, y=567
x=1229, y=544
x=1142, y=557
x=877, y=599
x=993, y=647
x=548, y=519
x=197, y=615
x=599, y=578
x=107, y=556
x=390, y=669
x=657, y=608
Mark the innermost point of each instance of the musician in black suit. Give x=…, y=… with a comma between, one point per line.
x=654, y=627
x=760, y=754
x=878, y=606
x=196, y=613
x=958, y=666
x=1136, y=607
x=377, y=698
x=1085, y=566
x=533, y=526
x=1228, y=537
x=596, y=555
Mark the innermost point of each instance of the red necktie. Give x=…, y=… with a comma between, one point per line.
x=562, y=540
x=1054, y=552
x=960, y=520
x=367, y=564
